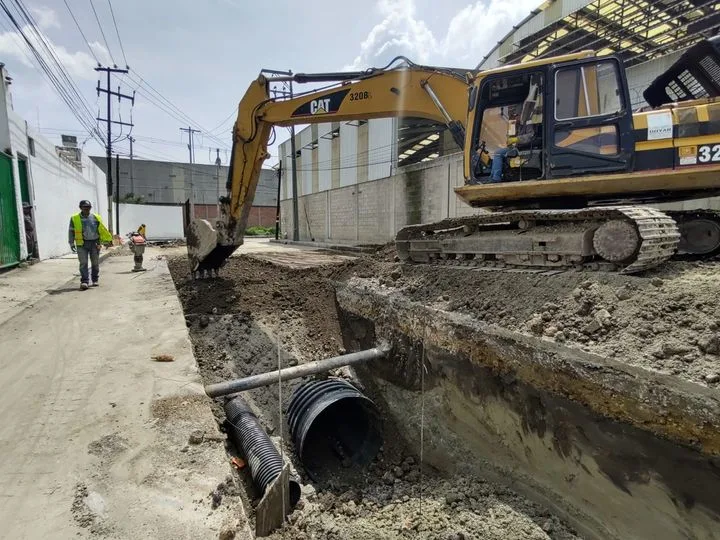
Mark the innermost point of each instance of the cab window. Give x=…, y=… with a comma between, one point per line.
x=587, y=90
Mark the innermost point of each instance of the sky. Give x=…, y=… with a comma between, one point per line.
x=201, y=56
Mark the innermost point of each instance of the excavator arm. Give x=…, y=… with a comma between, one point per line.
x=436, y=94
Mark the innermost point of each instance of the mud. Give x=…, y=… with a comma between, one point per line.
x=236, y=323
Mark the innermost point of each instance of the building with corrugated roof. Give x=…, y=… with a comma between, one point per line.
x=648, y=35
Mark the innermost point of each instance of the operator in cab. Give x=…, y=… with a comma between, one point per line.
x=523, y=126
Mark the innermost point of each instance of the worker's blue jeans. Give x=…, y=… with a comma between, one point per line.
x=497, y=165
x=90, y=250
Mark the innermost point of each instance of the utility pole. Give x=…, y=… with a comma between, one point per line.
x=277, y=208
x=132, y=180
x=218, y=163
x=108, y=147
x=190, y=131
x=296, y=214
x=117, y=193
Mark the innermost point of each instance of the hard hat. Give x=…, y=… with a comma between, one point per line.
x=85, y=203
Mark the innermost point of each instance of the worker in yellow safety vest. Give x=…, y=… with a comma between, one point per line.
x=86, y=235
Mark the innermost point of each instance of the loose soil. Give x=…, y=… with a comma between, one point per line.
x=666, y=320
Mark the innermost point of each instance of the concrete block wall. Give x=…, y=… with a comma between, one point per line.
x=375, y=210
x=311, y=215
x=372, y=212
x=342, y=213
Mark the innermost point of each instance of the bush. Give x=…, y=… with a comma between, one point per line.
x=260, y=231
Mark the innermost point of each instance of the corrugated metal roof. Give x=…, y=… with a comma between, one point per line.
x=637, y=30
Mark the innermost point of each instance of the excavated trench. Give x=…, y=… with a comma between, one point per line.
x=520, y=434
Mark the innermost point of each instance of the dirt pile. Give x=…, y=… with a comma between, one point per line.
x=667, y=321
x=297, y=304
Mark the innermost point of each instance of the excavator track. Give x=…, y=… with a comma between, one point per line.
x=626, y=239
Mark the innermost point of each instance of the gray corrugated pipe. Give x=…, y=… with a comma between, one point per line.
x=332, y=422
x=262, y=457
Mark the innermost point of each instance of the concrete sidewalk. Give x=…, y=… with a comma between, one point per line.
x=22, y=287
x=94, y=438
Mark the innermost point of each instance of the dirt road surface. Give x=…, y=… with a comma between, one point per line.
x=97, y=439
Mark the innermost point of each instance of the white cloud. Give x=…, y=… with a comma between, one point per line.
x=399, y=33
x=79, y=64
x=477, y=28
x=46, y=17
x=101, y=52
x=471, y=33
x=10, y=46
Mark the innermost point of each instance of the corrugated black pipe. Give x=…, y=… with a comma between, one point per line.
x=333, y=423
x=262, y=457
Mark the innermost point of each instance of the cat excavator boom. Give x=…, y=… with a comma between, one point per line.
x=401, y=89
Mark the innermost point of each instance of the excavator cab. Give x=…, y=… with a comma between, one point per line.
x=555, y=120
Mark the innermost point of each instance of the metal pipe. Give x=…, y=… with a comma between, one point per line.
x=426, y=86
x=311, y=368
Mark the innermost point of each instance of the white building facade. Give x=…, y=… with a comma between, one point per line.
x=34, y=173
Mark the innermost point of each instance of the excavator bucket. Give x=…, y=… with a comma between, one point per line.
x=201, y=241
x=204, y=250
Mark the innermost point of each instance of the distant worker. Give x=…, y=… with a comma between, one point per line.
x=29, y=230
x=137, y=246
x=86, y=234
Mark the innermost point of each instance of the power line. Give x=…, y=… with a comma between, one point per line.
x=102, y=32
x=233, y=114
x=81, y=32
x=118, y=33
x=51, y=66
x=170, y=108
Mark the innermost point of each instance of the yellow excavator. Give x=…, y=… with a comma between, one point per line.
x=552, y=150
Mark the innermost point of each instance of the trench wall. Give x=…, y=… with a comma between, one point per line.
x=619, y=452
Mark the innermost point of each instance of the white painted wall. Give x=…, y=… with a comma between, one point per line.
x=348, y=154
x=380, y=141
x=305, y=170
x=163, y=222
x=56, y=188
x=324, y=163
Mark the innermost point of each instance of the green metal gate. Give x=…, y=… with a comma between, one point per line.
x=9, y=231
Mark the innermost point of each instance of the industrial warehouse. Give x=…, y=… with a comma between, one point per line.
x=462, y=287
